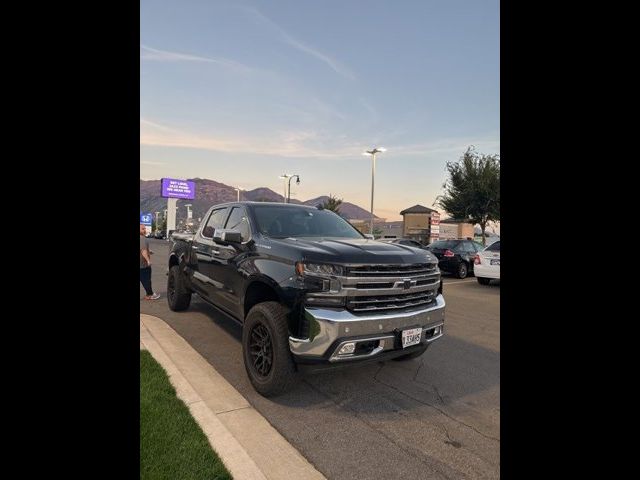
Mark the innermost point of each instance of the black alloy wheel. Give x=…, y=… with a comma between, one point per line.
x=261, y=350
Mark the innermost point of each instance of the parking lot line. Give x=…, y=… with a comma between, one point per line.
x=461, y=281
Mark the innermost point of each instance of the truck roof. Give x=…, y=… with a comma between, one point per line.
x=273, y=204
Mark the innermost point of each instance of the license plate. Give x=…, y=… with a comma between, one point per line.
x=495, y=262
x=411, y=337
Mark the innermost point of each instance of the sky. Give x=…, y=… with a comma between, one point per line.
x=243, y=91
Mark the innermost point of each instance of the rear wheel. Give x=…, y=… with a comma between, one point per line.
x=178, y=296
x=463, y=270
x=412, y=355
x=265, y=346
x=483, y=281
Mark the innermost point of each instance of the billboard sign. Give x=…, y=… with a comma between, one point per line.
x=174, y=188
x=435, y=218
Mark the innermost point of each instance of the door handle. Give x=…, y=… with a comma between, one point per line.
x=215, y=252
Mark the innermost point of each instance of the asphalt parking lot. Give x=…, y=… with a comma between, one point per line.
x=435, y=417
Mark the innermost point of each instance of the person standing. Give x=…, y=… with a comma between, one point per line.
x=145, y=265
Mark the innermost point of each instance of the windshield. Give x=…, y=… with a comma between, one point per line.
x=282, y=222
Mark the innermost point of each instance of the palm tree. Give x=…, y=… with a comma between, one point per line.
x=332, y=203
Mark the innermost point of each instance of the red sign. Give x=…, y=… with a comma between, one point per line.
x=435, y=218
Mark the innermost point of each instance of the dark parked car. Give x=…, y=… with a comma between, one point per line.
x=455, y=256
x=404, y=241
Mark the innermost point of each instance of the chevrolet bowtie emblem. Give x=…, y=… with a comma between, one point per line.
x=405, y=284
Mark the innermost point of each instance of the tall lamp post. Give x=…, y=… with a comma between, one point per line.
x=238, y=189
x=373, y=175
x=285, y=177
x=289, y=189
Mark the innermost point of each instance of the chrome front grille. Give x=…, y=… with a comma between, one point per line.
x=390, y=302
x=406, y=271
x=370, y=288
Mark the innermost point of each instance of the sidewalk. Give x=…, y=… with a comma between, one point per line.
x=245, y=441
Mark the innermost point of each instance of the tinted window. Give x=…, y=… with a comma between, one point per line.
x=238, y=221
x=286, y=221
x=478, y=246
x=443, y=244
x=494, y=247
x=216, y=220
x=468, y=247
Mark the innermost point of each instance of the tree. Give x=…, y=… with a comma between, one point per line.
x=472, y=192
x=332, y=203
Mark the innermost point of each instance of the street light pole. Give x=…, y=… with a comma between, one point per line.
x=289, y=189
x=238, y=190
x=285, y=177
x=373, y=176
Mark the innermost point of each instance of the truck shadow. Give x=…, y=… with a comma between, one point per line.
x=450, y=372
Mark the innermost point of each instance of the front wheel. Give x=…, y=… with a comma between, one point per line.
x=178, y=296
x=265, y=348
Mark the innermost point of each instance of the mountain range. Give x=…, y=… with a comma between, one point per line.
x=210, y=192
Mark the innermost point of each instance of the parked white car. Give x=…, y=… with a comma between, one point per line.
x=486, y=264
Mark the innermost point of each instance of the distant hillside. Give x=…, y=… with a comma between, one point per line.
x=347, y=210
x=210, y=192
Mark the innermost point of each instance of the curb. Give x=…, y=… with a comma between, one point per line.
x=248, y=445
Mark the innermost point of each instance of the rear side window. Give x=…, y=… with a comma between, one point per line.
x=238, y=221
x=494, y=247
x=468, y=247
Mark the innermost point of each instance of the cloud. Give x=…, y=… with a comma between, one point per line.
x=303, y=47
x=303, y=143
x=153, y=54
x=293, y=144
x=482, y=144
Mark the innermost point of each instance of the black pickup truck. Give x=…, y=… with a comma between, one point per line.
x=310, y=291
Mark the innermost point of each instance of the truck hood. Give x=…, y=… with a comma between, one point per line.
x=355, y=250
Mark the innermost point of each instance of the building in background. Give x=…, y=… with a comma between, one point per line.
x=451, y=228
x=364, y=226
x=391, y=230
x=417, y=223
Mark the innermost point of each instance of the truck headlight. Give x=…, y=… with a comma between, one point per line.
x=320, y=269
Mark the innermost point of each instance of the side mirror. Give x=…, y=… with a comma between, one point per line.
x=369, y=236
x=227, y=236
x=208, y=231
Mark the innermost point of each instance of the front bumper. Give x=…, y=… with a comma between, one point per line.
x=331, y=329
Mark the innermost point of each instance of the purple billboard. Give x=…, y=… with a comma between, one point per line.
x=173, y=188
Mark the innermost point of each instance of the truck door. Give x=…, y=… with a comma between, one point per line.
x=206, y=251
x=226, y=268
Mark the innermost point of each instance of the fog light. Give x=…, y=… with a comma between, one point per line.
x=347, y=348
